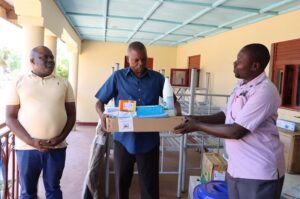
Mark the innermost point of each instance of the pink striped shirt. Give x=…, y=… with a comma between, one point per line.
x=259, y=154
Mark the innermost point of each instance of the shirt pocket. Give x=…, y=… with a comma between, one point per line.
x=237, y=105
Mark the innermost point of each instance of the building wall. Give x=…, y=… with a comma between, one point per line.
x=219, y=52
x=95, y=66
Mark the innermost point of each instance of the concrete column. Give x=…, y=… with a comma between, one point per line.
x=51, y=43
x=73, y=70
x=32, y=36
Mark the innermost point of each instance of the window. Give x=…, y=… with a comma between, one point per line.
x=286, y=72
x=182, y=77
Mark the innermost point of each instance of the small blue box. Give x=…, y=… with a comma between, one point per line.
x=150, y=111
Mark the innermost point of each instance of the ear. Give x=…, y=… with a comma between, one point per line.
x=32, y=61
x=256, y=66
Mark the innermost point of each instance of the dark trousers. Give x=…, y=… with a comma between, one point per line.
x=148, y=169
x=239, y=188
x=31, y=163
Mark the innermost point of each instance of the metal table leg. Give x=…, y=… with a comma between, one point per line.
x=180, y=168
x=184, y=151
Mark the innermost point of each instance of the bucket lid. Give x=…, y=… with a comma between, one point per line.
x=211, y=190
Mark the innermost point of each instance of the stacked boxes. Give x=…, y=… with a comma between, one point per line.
x=214, y=167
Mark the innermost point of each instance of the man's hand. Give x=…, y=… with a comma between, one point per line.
x=205, y=124
x=52, y=142
x=190, y=125
x=39, y=144
x=103, y=122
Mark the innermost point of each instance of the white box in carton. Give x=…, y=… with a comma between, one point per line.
x=194, y=181
x=288, y=125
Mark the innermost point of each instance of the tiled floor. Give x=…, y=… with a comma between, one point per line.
x=291, y=187
x=77, y=163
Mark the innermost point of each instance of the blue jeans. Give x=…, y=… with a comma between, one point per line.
x=31, y=163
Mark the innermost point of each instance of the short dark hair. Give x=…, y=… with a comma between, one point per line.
x=136, y=45
x=37, y=49
x=259, y=53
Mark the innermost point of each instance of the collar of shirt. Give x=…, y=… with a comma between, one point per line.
x=256, y=81
x=130, y=72
x=31, y=74
x=242, y=92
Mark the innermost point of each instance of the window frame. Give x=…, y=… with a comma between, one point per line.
x=286, y=77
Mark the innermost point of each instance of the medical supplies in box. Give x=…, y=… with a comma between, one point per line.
x=127, y=105
x=214, y=167
x=150, y=111
x=134, y=124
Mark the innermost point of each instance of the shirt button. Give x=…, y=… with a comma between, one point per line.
x=139, y=89
x=139, y=99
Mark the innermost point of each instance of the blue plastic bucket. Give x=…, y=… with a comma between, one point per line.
x=211, y=190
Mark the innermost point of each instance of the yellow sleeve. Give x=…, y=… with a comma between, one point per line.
x=13, y=97
x=70, y=93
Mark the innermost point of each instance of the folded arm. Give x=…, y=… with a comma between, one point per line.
x=71, y=119
x=16, y=127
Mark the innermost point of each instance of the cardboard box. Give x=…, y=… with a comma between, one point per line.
x=143, y=124
x=214, y=167
x=291, y=142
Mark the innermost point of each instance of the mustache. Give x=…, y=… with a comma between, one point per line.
x=49, y=65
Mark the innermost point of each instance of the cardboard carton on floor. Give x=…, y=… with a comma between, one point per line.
x=143, y=124
x=214, y=167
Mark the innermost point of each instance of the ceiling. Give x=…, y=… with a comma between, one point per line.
x=165, y=22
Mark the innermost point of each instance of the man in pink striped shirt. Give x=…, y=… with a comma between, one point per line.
x=248, y=124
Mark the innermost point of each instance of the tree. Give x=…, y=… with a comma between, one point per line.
x=62, y=62
x=62, y=67
x=12, y=58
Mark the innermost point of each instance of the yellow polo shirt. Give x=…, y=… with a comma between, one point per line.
x=42, y=106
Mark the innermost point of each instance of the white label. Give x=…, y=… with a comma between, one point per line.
x=125, y=124
x=128, y=106
x=100, y=139
x=219, y=175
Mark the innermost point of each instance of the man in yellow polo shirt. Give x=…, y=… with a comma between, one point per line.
x=41, y=113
